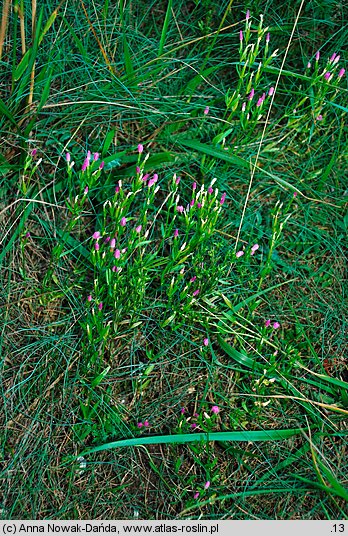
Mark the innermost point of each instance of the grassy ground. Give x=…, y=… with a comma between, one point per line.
x=227, y=403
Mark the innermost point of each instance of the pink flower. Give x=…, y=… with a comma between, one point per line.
x=193, y=425
x=317, y=56
x=206, y=110
x=88, y=155
x=276, y=325
x=115, y=269
x=107, y=239
x=222, y=200
x=270, y=91
x=146, y=176
x=123, y=221
x=215, y=410
x=243, y=106
x=196, y=495
x=240, y=36
x=151, y=182
x=182, y=411
x=255, y=247
x=117, y=254
x=138, y=229
x=100, y=306
x=207, y=484
x=194, y=186
x=247, y=16
x=309, y=65
x=68, y=157
x=295, y=194
x=27, y=235
x=327, y=75
x=251, y=94
x=193, y=279
x=210, y=190
x=146, y=423
x=140, y=148
x=85, y=191
x=33, y=152
x=96, y=246
x=196, y=415
x=138, y=170
x=101, y=165
x=199, y=205
x=117, y=189
x=267, y=323
x=96, y=157
x=319, y=117
x=239, y=254
x=178, y=180
x=268, y=37
x=196, y=292
x=176, y=233
x=341, y=73
x=96, y=235
x=192, y=202
x=259, y=102
x=89, y=298
x=206, y=342
x=113, y=243
x=180, y=209
x=139, y=424
x=85, y=164
x=333, y=57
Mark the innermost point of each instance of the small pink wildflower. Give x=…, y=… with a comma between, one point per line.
x=270, y=91
x=341, y=73
x=96, y=157
x=215, y=410
x=196, y=415
x=247, y=16
x=67, y=157
x=199, y=205
x=267, y=323
x=319, y=117
x=206, y=110
x=85, y=164
x=101, y=165
x=33, y=152
x=146, y=176
x=193, y=279
x=259, y=102
x=327, y=75
x=89, y=298
x=115, y=269
x=117, y=254
x=113, y=243
x=138, y=229
x=96, y=235
x=194, y=186
x=27, y=235
x=317, y=56
x=139, y=424
x=182, y=411
x=276, y=325
x=146, y=424
x=138, y=170
x=193, y=425
x=180, y=209
x=268, y=37
x=206, y=342
x=239, y=254
x=223, y=197
x=178, y=180
x=196, y=495
x=309, y=65
x=251, y=94
x=196, y=292
x=332, y=59
x=117, y=189
x=255, y=247
x=240, y=36
x=100, y=306
x=107, y=239
x=176, y=233
x=192, y=202
x=210, y=190
x=207, y=484
x=85, y=191
x=88, y=155
x=96, y=246
x=140, y=148
x=243, y=106
x=295, y=194
x=123, y=221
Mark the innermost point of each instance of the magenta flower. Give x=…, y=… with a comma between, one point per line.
x=267, y=323
x=85, y=164
x=113, y=243
x=194, y=186
x=196, y=495
x=207, y=484
x=100, y=306
x=176, y=233
x=319, y=117
x=295, y=194
x=327, y=75
x=193, y=279
x=117, y=189
x=85, y=191
x=146, y=176
x=210, y=190
x=178, y=180
x=138, y=229
x=259, y=102
x=123, y=221
x=193, y=425
x=68, y=157
x=206, y=110
x=27, y=235
x=341, y=73
x=251, y=94
x=276, y=325
x=247, y=16
x=146, y=423
x=331, y=60
x=180, y=209
x=96, y=157
x=196, y=415
x=317, y=56
x=107, y=239
x=33, y=152
x=138, y=170
x=117, y=254
x=96, y=246
x=115, y=269
x=239, y=254
x=222, y=200
x=96, y=235
x=206, y=342
x=89, y=298
x=139, y=424
x=240, y=36
x=192, y=202
x=196, y=292
x=182, y=411
x=271, y=91
x=255, y=247
x=140, y=148
x=268, y=37
x=215, y=410
x=101, y=165
x=199, y=205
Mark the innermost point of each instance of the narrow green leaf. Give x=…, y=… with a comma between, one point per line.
x=22, y=66
x=216, y=153
x=242, y=359
x=165, y=27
